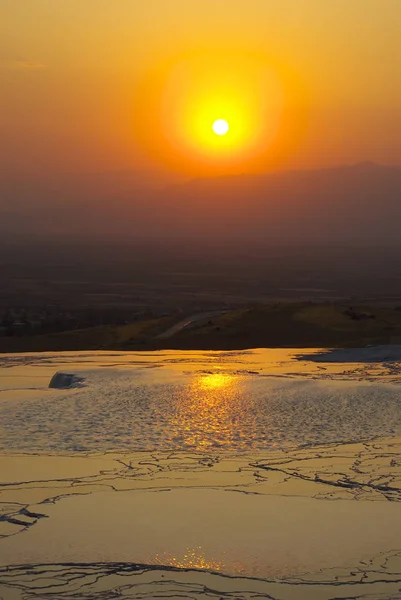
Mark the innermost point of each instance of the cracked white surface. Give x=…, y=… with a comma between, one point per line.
x=219, y=511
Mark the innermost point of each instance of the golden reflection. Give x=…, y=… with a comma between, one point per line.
x=209, y=411
x=193, y=558
x=214, y=380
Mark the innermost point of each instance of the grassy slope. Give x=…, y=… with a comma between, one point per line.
x=94, y=338
x=296, y=325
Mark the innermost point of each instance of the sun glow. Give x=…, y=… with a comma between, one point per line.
x=208, y=112
x=220, y=127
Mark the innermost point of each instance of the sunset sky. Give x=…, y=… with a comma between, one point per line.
x=88, y=85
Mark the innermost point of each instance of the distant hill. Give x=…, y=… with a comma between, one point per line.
x=349, y=205
x=302, y=325
x=309, y=325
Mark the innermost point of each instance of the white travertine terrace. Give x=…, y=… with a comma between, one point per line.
x=191, y=474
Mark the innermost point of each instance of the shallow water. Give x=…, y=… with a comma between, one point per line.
x=201, y=474
x=226, y=407
x=235, y=533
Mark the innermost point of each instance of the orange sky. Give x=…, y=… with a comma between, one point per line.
x=126, y=84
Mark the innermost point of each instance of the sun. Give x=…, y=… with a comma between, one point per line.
x=220, y=127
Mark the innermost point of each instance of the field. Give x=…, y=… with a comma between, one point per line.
x=70, y=297
x=305, y=325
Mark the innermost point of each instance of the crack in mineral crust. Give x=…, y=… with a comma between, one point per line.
x=366, y=471
x=369, y=471
x=377, y=579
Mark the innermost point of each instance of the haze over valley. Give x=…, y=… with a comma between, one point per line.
x=357, y=205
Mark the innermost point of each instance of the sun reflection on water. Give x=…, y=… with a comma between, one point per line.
x=192, y=558
x=214, y=380
x=209, y=410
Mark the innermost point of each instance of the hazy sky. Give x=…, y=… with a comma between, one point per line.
x=136, y=84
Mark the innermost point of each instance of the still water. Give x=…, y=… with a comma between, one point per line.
x=192, y=403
